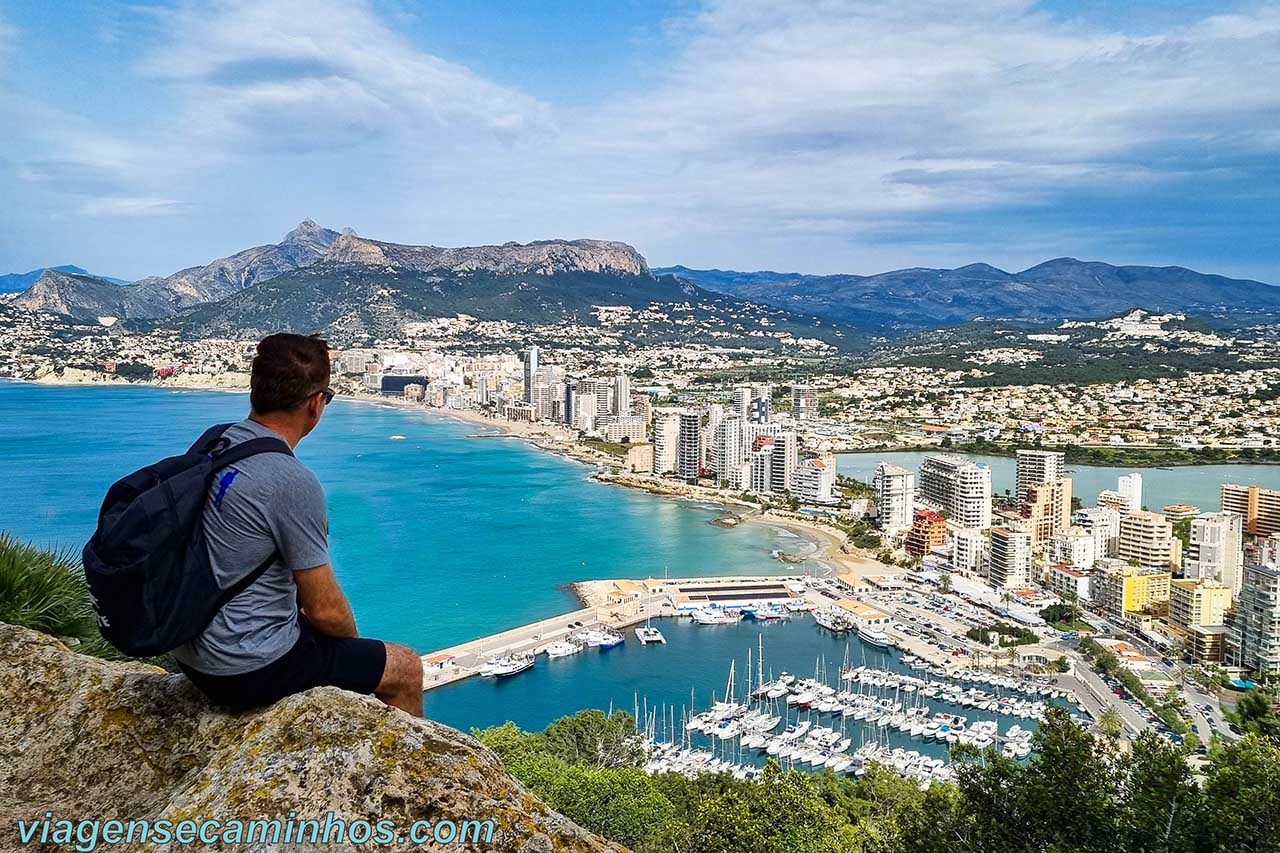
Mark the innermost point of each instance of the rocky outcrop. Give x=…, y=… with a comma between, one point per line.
x=85, y=738
x=543, y=257
x=86, y=298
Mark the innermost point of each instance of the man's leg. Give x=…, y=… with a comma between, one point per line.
x=401, y=684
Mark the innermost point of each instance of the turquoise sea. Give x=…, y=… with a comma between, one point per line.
x=1191, y=484
x=437, y=538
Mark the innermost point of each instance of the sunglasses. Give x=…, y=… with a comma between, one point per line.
x=328, y=395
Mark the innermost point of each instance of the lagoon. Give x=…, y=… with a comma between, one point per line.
x=1190, y=484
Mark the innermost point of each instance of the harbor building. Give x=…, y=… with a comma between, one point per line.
x=1197, y=602
x=689, y=446
x=1259, y=507
x=1010, y=564
x=666, y=440
x=1103, y=524
x=1216, y=550
x=1122, y=590
x=1254, y=643
x=1038, y=466
x=804, y=402
x=959, y=488
x=1147, y=540
x=895, y=489
x=1046, y=508
x=928, y=531
x=814, y=480
x=967, y=547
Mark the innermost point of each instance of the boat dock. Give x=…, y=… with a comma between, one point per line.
x=615, y=603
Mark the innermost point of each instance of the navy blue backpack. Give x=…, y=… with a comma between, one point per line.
x=147, y=564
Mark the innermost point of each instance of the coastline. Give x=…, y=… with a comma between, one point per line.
x=1011, y=452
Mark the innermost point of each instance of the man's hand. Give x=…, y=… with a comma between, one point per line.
x=324, y=603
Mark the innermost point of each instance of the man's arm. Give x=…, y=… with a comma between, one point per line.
x=324, y=602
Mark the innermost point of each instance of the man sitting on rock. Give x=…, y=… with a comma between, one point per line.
x=292, y=629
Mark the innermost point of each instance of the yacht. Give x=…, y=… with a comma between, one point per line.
x=563, y=648
x=714, y=616
x=513, y=665
x=649, y=634
x=875, y=638
x=610, y=638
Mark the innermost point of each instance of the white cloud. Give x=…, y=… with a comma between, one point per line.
x=307, y=74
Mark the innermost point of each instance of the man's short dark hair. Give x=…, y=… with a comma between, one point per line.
x=287, y=370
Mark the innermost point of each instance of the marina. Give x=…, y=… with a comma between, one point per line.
x=817, y=700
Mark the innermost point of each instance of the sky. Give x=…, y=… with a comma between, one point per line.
x=816, y=136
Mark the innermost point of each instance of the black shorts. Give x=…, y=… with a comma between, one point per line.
x=316, y=660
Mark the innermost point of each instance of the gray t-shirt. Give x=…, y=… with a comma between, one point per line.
x=265, y=503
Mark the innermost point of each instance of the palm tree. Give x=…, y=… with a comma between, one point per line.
x=1110, y=723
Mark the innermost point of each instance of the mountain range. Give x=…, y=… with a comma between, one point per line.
x=86, y=298
x=16, y=282
x=1064, y=288
x=356, y=289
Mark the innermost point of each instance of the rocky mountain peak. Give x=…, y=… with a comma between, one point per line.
x=543, y=257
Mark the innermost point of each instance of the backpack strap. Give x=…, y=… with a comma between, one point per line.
x=246, y=581
x=252, y=447
x=208, y=439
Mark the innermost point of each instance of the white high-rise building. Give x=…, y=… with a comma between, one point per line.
x=895, y=489
x=1216, y=551
x=1130, y=488
x=1038, y=466
x=1255, y=621
x=666, y=440
x=959, y=488
x=530, y=374
x=726, y=447
x=815, y=479
x=786, y=456
x=1103, y=523
x=967, y=549
x=621, y=395
x=689, y=446
x=804, y=402
x=1074, y=546
x=582, y=409
x=761, y=460
x=1010, y=565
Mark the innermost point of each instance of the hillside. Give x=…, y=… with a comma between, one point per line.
x=16, y=282
x=83, y=297
x=355, y=297
x=921, y=298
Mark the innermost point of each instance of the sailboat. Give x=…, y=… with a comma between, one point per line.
x=648, y=633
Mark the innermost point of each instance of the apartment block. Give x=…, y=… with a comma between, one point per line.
x=959, y=488
x=1259, y=507
x=1197, y=602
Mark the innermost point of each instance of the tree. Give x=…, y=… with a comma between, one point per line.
x=1255, y=713
x=1110, y=723
x=944, y=582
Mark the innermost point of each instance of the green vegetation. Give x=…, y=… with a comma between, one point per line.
x=46, y=591
x=1007, y=634
x=1065, y=617
x=613, y=448
x=1081, y=794
x=1257, y=712
x=135, y=371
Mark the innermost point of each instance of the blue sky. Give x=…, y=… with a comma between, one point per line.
x=824, y=136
